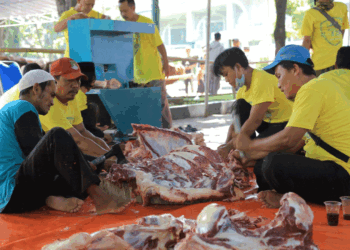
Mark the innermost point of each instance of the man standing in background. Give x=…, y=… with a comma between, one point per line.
x=215, y=49
x=325, y=35
x=189, y=66
x=82, y=10
x=150, y=58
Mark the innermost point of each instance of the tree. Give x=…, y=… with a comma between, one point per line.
x=280, y=28
x=64, y=5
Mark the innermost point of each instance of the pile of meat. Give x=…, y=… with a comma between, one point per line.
x=166, y=167
x=215, y=228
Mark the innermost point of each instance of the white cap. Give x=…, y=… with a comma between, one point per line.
x=32, y=77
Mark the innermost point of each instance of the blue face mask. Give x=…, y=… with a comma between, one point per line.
x=240, y=82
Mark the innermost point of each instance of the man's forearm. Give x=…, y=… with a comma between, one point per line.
x=95, y=139
x=250, y=126
x=89, y=147
x=60, y=26
x=307, y=42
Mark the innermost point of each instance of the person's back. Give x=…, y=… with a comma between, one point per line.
x=330, y=118
x=215, y=48
x=340, y=77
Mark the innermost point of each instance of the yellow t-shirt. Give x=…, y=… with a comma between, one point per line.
x=81, y=100
x=326, y=40
x=322, y=108
x=264, y=88
x=10, y=95
x=61, y=115
x=147, y=61
x=70, y=13
x=341, y=77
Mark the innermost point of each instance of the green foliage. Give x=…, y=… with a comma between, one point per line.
x=40, y=35
x=296, y=9
x=262, y=65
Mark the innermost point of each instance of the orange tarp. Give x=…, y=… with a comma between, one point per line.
x=36, y=229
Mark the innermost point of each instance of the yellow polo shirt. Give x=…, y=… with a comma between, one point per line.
x=81, y=100
x=148, y=65
x=10, y=95
x=70, y=13
x=264, y=88
x=326, y=40
x=61, y=115
x=321, y=107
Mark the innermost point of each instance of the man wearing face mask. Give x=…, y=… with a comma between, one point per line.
x=260, y=105
x=323, y=30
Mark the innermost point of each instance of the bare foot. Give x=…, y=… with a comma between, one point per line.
x=71, y=205
x=270, y=198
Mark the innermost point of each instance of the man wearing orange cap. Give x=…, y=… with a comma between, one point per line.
x=65, y=112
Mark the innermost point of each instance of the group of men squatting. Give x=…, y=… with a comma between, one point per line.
x=294, y=130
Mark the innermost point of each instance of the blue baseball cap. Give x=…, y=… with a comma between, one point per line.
x=293, y=53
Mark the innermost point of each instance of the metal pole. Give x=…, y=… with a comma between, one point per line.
x=206, y=114
x=155, y=12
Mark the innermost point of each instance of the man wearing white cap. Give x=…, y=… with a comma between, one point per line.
x=39, y=169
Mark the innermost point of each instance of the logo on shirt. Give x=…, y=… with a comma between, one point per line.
x=330, y=33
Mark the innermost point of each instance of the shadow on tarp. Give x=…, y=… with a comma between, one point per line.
x=36, y=229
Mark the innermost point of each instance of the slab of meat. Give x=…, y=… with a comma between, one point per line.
x=185, y=175
x=218, y=228
x=151, y=232
x=102, y=240
x=215, y=229
x=155, y=142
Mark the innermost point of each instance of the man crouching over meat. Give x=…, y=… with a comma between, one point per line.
x=321, y=114
x=39, y=169
x=260, y=105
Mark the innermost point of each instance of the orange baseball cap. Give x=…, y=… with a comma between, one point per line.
x=66, y=67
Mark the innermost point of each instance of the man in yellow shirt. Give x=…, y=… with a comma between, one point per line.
x=148, y=67
x=322, y=36
x=65, y=112
x=260, y=105
x=320, y=109
x=82, y=10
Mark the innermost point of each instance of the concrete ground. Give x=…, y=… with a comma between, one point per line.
x=214, y=128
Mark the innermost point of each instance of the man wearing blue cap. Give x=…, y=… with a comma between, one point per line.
x=320, y=115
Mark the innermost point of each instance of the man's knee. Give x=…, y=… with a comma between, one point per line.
x=59, y=132
x=268, y=164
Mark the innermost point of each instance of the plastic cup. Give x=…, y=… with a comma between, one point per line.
x=332, y=208
x=345, y=200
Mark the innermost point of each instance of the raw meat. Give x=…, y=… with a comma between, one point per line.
x=215, y=229
x=218, y=228
x=102, y=240
x=187, y=174
x=154, y=142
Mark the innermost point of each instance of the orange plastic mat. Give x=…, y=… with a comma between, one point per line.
x=36, y=229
